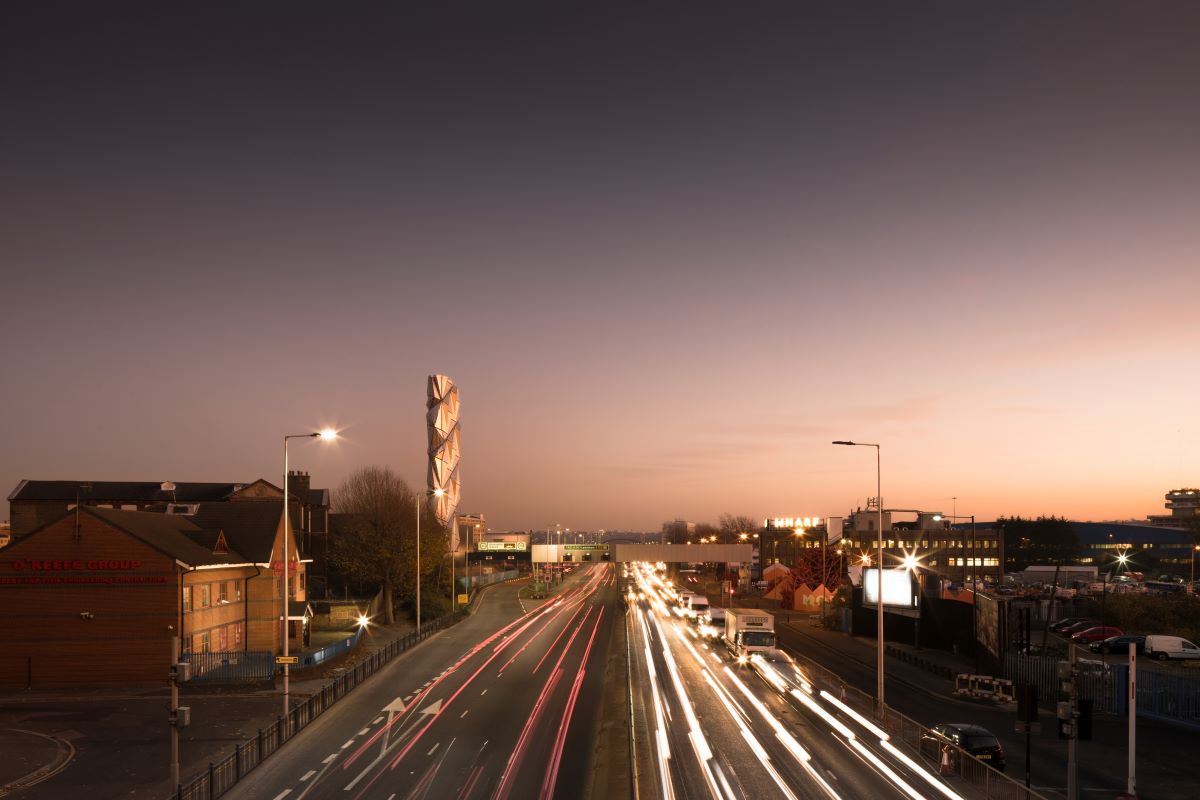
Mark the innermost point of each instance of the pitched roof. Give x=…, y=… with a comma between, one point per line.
x=249, y=528
x=175, y=536
x=131, y=491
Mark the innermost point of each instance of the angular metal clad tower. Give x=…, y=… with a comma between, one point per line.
x=442, y=417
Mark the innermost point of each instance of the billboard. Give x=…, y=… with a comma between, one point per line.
x=899, y=588
x=442, y=420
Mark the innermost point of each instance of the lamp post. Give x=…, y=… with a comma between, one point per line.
x=328, y=435
x=879, y=701
x=418, y=498
x=1192, y=582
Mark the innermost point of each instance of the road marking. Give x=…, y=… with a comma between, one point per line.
x=308, y=774
x=364, y=731
x=468, y=711
x=331, y=757
x=377, y=719
x=481, y=694
x=433, y=749
x=283, y=794
x=347, y=744
x=829, y=772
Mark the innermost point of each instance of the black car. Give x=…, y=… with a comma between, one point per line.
x=1079, y=627
x=1066, y=622
x=1119, y=644
x=975, y=739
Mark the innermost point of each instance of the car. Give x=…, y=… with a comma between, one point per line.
x=1066, y=622
x=1164, y=647
x=1096, y=634
x=1078, y=627
x=975, y=739
x=1118, y=644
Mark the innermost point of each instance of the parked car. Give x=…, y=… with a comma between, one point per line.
x=1078, y=627
x=1066, y=622
x=1118, y=644
x=975, y=739
x=1096, y=634
x=1164, y=647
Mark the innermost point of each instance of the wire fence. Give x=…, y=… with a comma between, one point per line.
x=222, y=775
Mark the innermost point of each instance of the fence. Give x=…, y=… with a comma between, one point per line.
x=222, y=775
x=1096, y=679
x=990, y=782
x=318, y=657
x=486, y=580
x=231, y=667
x=1165, y=696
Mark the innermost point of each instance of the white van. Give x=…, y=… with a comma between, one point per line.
x=1164, y=647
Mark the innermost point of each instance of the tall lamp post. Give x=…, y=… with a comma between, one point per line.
x=328, y=435
x=419, y=498
x=879, y=703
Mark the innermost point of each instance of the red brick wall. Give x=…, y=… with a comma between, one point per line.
x=45, y=640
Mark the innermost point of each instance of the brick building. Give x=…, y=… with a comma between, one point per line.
x=95, y=595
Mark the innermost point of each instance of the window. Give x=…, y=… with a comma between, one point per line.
x=223, y=593
x=237, y=634
x=205, y=599
x=187, y=599
x=223, y=638
x=237, y=590
x=200, y=643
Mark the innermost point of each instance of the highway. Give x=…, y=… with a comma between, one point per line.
x=714, y=728
x=503, y=705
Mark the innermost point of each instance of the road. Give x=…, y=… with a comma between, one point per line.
x=765, y=729
x=504, y=704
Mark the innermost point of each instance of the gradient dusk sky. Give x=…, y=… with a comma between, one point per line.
x=667, y=253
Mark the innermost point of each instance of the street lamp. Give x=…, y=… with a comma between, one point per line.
x=431, y=493
x=327, y=435
x=879, y=567
x=1192, y=583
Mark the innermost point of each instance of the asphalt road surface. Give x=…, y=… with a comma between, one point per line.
x=715, y=728
x=504, y=704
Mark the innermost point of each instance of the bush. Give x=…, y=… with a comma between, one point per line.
x=1177, y=615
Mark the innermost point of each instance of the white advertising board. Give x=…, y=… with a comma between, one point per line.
x=899, y=588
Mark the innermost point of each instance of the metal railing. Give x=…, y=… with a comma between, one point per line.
x=234, y=666
x=221, y=775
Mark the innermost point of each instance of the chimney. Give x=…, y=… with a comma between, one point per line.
x=298, y=483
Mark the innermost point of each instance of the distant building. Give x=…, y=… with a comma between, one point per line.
x=471, y=529
x=954, y=551
x=1184, y=505
x=678, y=532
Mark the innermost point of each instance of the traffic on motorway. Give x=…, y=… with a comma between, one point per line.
x=721, y=712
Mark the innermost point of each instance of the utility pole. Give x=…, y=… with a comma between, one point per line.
x=179, y=717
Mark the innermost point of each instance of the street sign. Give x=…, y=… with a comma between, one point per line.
x=287, y=659
x=482, y=546
x=602, y=548
x=463, y=599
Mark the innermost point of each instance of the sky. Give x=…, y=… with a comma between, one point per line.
x=668, y=253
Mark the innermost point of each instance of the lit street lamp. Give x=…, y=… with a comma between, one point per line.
x=879, y=573
x=328, y=435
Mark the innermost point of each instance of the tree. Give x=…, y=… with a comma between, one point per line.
x=377, y=540
x=734, y=525
x=1045, y=540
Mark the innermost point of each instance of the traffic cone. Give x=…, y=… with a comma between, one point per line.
x=946, y=768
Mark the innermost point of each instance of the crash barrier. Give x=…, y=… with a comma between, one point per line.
x=221, y=776
x=985, y=686
x=918, y=660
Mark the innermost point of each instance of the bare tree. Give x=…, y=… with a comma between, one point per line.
x=376, y=540
x=734, y=525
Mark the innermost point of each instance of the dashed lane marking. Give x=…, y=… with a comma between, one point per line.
x=377, y=720
x=468, y=711
x=481, y=694
x=308, y=774
x=433, y=749
x=347, y=744
x=283, y=794
x=329, y=758
x=364, y=731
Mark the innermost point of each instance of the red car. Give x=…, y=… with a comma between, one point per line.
x=1097, y=634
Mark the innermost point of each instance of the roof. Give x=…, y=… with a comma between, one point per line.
x=249, y=528
x=172, y=535
x=1094, y=533
x=131, y=491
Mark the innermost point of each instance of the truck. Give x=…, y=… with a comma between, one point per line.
x=748, y=630
x=697, y=604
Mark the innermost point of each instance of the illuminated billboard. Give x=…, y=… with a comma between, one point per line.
x=899, y=588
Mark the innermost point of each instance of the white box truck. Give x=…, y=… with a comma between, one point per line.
x=748, y=630
x=697, y=604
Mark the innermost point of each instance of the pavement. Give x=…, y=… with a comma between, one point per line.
x=116, y=741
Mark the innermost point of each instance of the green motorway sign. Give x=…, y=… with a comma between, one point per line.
x=596, y=548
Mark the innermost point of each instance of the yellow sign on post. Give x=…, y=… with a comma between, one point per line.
x=463, y=599
x=287, y=659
